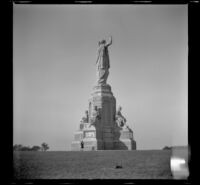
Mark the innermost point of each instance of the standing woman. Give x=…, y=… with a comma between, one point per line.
x=103, y=63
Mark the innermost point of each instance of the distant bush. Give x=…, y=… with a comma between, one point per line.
x=36, y=148
x=26, y=148
x=167, y=148
x=17, y=147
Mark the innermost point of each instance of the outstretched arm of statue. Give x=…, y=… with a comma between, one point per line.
x=110, y=41
x=97, y=57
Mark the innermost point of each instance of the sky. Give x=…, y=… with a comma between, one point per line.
x=54, y=54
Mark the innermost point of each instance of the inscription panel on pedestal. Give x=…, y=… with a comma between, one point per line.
x=89, y=134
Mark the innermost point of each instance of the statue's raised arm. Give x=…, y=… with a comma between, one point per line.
x=110, y=41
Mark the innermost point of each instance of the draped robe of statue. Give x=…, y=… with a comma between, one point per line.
x=103, y=63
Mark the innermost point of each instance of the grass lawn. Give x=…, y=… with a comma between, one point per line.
x=150, y=164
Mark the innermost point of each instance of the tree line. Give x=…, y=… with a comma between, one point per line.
x=43, y=147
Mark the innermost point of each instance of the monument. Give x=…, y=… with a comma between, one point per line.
x=103, y=128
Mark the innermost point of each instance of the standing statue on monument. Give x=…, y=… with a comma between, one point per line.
x=103, y=63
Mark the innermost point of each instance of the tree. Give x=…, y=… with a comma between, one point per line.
x=35, y=148
x=44, y=147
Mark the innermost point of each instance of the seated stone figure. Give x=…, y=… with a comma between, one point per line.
x=84, y=120
x=120, y=119
x=95, y=116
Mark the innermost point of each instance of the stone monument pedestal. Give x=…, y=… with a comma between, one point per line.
x=88, y=135
x=76, y=143
x=124, y=139
x=105, y=103
x=101, y=131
